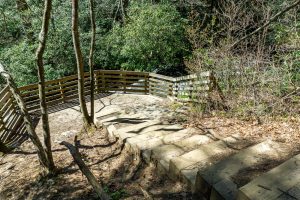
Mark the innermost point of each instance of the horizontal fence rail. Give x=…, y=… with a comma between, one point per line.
x=64, y=89
x=12, y=127
x=191, y=88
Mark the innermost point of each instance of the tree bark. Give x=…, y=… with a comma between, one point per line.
x=23, y=10
x=86, y=171
x=41, y=75
x=79, y=60
x=276, y=16
x=91, y=56
x=28, y=123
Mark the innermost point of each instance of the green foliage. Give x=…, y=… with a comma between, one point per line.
x=153, y=38
x=115, y=195
x=21, y=63
x=18, y=54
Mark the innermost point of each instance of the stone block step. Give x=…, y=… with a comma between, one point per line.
x=134, y=130
x=165, y=153
x=149, y=139
x=282, y=182
x=186, y=165
x=123, y=119
x=166, y=139
x=111, y=124
x=107, y=111
x=216, y=182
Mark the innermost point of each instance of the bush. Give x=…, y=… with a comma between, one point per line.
x=153, y=38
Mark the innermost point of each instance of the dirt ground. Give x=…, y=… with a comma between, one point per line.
x=20, y=177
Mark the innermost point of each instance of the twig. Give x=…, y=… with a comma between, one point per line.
x=264, y=187
x=276, y=16
x=145, y=193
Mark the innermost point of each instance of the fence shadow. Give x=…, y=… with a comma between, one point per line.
x=68, y=104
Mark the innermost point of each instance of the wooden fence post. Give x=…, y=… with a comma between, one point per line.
x=96, y=82
x=146, y=83
x=103, y=82
x=61, y=92
x=123, y=79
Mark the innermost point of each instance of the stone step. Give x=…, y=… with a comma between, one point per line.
x=166, y=139
x=216, y=182
x=107, y=111
x=149, y=139
x=282, y=182
x=165, y=153
x=186, y=166
x=123, y=119
x=101, y=116
x=134, y=130
x=111, y=124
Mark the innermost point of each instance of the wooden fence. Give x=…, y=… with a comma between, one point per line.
x=64, y=89
x=190, y=88
x=12, y=127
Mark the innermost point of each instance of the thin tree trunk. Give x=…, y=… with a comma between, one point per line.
x=28, y=123
x=123, y=12
x=91, y=56
x=23, y=10
x=41, y=75
x=79, y=60
x=275, y=17
x=86, y=171
x=4, y=19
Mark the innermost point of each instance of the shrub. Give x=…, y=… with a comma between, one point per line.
x=152, y=39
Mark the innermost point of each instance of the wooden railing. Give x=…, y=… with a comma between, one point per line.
x=64, y=89
x=12, y=127
x=161, y=85
x=190, y=88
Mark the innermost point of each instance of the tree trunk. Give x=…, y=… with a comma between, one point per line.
x=91, y=56
x=41, y=75
x=79, y=60
x=23, y=10
x=28, y=123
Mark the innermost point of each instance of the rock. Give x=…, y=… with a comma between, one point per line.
x=10, y=166
x=69, y=134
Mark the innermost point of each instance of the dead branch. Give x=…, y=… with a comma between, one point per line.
x=145, y=193
x=272, y=19
x=86, y=171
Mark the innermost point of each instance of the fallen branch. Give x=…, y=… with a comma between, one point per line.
x=145, y=193
x=86, y=171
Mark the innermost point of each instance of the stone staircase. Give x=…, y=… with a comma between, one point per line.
x=212, y=166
